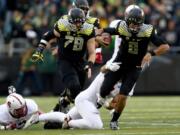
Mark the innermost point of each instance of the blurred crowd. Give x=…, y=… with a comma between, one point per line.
x=30, y=19
x=19, y=16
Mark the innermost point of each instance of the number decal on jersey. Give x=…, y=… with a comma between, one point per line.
x=133, y=48
x=78, y=42
x=69, y=39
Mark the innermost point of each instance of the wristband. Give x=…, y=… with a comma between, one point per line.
x=90, y=64
x=40, y=49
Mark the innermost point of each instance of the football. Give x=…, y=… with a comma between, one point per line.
x=105, y=39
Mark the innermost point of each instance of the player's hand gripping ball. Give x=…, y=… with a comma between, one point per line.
x=105, y=39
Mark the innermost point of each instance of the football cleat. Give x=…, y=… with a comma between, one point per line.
x=114, y=125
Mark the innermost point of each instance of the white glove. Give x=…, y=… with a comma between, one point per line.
x=32, y=120
x=113, y=66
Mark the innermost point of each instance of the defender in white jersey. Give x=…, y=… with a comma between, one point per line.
x=16, y=112
x=84, y=114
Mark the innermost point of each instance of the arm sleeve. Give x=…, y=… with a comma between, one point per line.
x=56, y=27
x=47, y=37
x=157, y=40
x=111, y=31
x=96, y=24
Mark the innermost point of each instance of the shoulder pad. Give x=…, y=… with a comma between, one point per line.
x=31, y=105
x=87, y=29
x=114, y=23
x=64, y=17
x=63, y=25
x=145, y=31
x=122, y=29
x=91, y=20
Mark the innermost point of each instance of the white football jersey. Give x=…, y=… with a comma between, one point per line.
x=6, y=118
x=91, y=92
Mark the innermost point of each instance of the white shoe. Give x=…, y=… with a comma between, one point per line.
x=32, y=120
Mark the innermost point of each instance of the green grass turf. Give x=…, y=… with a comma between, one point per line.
x=142, y=116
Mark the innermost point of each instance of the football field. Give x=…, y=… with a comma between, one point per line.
x=151, y=115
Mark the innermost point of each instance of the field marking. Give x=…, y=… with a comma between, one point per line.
x=145, y=133
x=152, y=123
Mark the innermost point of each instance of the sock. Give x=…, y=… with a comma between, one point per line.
x=52, y=116
x=116, y=116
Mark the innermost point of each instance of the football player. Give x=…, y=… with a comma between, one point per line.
x=16, y=111
x=132, y=54
x=75, y=38
x=84, y=114
x=84, y=5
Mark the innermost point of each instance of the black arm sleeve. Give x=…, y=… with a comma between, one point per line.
x=96, y=24
x=111, y=31
x=47, y=37
x=157, y=40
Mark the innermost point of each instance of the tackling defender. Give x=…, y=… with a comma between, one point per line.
x=84, y=114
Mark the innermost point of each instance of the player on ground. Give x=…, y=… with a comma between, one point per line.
x=16, y=111
x=84, y=114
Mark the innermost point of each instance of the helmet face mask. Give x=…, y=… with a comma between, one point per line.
x=20, y=112
x=134, y=28
x=134, y=17
x=16, y=105
x=76, y=17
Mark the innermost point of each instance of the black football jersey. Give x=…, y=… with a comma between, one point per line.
x=73, y=42
x=134, y=46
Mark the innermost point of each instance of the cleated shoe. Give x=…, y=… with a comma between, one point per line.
x=114, y=125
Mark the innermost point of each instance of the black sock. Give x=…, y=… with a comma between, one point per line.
x=116, y=116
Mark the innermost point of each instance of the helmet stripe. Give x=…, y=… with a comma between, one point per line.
x=17, y=99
